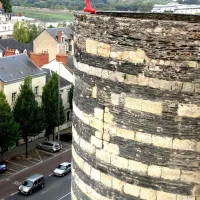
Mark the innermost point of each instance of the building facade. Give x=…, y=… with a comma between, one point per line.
x=136, y=107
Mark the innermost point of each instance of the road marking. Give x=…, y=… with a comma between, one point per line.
x=50, y=174
x=32, y=161
x=9, y=172
x=64, y=196
x=36, y=159
x=38, y=154
x=12, y=170
x=45, y=191
x=47, y=152
x=16, y=163
x=13, y=193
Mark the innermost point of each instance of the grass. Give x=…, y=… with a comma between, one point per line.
x=50, y=16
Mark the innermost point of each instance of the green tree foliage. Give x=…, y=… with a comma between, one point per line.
x=24, y=32
x=7, y=6
x=9, y=129
x=27, y=113
x=20, y=32
x=52, y=105
x=50, y=26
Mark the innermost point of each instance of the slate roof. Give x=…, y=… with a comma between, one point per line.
x=54, y=32
x=11, y=43
x=17, y=67
x=63, y=81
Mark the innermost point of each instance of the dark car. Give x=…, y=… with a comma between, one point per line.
x=66, y=137
x=2, y=167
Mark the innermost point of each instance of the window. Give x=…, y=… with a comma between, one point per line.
x=36, y=90
x=68, y=115
x=70, y=47
x=14, y=96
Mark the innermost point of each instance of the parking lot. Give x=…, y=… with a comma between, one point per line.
x=19, y=163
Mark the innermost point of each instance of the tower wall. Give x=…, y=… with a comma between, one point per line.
x=136, y=123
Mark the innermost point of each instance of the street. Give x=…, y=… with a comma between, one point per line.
x=56, y=188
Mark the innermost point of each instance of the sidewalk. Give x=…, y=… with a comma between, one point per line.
x=31, y=145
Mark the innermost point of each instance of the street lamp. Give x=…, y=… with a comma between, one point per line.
x=59, y=103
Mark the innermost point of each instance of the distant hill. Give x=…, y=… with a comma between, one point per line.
x=132, y=5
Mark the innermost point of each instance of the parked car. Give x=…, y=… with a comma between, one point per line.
x=31, y=184
x=3, y=167
x=62, y=169
x=66, y=137
x=51, y=146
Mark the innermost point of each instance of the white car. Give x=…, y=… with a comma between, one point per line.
x=62, y=169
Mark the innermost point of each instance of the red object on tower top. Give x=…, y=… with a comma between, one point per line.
x=88, y=7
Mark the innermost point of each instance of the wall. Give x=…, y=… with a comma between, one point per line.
x=45, y=42
x=136, y=107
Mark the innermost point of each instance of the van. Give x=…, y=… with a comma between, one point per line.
x=31, y=184
x=51, y=146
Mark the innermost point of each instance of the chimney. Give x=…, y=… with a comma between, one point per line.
x=62, y=58
x=39, y=59
x=9, y=52
x=59, y=36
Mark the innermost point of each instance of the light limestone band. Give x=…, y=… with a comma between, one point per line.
x=114, y=183
x=140, y=80
x=106, y=129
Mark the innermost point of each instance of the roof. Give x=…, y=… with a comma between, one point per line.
x=34, y=176
x=11, y=43
x=66, y=30
x=63, y=82
x=60, y=69
x=17, y=67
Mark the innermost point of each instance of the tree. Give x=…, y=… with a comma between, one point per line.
x=32, y=32
x=7, y=6
x=50, y=26
x=20, y=32
x=52, y=105
x=9, y=129
x=27, y=113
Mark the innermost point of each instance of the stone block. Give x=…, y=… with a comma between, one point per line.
x=197, y=88
x=113, y=55
x=192, y=64
x=148, y=194
x=96, y=142
x=106, y=180
x=86, y=146
x=190, y=176
x=184, y=144
x=189, y=110
x=95, y=174
x=142, y=80
x=106, y=137
x=99, y=135
x=86, y=119
x=103, y=49
x=133, y=103
x=138, y=56
x=91, y=46
x=177, y=86
x=112, y=148
x=152, y=107
x=119, y=76
x=143, y=137
x=165, y=85
x=165, y=196
x=98, y=113
x=154, y=171
x=130, y=79
x=103, y=155
x=119, y=162
x=87, y=168
x=82, y=185
x=117, y=184
x=137, y=166
x=154, y=83
x=172, y=174
x=124, y=55
x=108, y=117
x=188, y=87
x=77, y=111
x=181, y=197
x=132, y=190
x=96, y=123
x=105, y=74
x=124, y=133
x=94, y=92
x=164, y=142
x=115, y=98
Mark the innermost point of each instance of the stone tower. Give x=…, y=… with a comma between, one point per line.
x=136, y=123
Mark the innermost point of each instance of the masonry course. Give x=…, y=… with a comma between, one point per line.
x=136, y=131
